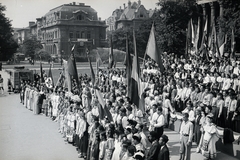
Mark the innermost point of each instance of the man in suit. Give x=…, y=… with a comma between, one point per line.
x=163, y=152
x=154, y=149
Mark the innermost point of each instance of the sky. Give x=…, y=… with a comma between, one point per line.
x=20, y=12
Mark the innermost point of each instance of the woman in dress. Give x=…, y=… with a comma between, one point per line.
x=209, y=138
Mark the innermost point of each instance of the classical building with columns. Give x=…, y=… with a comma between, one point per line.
x=69, y=24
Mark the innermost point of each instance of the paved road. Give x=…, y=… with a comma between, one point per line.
x=25, y=136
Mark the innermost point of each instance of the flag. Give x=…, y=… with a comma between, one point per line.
x=111, y=61
x=128, y=68
x=197, y=36
x=233, y=43
x=152, y=49
x=91, y=69
x=67, y=76
x=61, y=80
x=73, y=48
x=188, y=39
x=49, y=81
x=103, y=110
x=212, y=42
x=41, y=73
x=193, y=32
x=72, y=70
x=204, y=44
x=136, y=88
x=98, y=62
x=221, y=42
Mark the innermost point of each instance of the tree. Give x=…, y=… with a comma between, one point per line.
x=171, y=23
x=31, y=46
x=7, y=44
x=230, y=19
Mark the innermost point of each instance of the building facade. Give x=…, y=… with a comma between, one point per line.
x=68, y=25
x=131, y=15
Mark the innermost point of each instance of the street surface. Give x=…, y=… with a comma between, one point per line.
x=25, y=136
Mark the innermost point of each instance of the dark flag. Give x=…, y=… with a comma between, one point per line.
x=103, y=110
x=128, y=68
x=91, y=68
x=49, y=81
x=72, y=69
x=111, y=60
x=153, y=51
x=188, y=40
x=41, y=73
x=136, y=87
x=233, y=43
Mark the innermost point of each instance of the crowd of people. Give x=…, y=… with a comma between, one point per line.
x=204, y=93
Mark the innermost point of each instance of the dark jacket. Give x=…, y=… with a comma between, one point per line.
x=153, y=151
x=163, y=153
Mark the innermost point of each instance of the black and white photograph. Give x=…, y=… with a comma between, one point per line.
x=120, y=80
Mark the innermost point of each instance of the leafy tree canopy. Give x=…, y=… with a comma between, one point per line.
x=31, y=46
x=7, y=44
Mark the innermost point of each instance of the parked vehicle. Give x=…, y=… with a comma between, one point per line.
x=16, y=75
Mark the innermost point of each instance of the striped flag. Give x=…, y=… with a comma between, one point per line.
x=221, y=42
x=103, y=110
x=67, y=76
x=72, y=69
x=128, y=68
x=152, y=49
x=91, y=69
x=136, y=81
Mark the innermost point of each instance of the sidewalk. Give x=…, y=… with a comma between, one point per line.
x=174, y=146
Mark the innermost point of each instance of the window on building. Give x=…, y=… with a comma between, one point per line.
x=43, y=36
x=70, y=34
x=55, y=35
x=82, y=34
x=141, y=15
x=80, y=17
x=88, y=35
x=77, y=34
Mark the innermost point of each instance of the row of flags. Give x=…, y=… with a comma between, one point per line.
x=209, y=43
x=135, y=86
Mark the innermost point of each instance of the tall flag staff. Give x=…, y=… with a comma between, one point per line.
x=111, y=60
x=233, y=42
x=72, y=69
x=91, y=68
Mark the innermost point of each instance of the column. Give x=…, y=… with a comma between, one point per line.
x=212, y=12
x=204, y=12
x=221, y=8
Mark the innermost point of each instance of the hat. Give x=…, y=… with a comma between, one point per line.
x=165, y=138
x=139, y=155
x=129, y=128
x=136, y=136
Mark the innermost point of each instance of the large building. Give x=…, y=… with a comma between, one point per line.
x=69, y=24
x=131, y=15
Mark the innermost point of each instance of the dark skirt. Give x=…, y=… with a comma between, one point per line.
x=197, y=133
x=83, y=143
